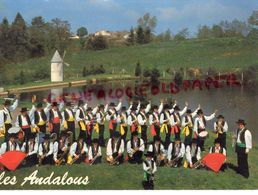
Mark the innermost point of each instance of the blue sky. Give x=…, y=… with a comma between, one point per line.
x=116, y=15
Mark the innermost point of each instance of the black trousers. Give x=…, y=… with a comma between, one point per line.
x=27, y=132
x=31, y=160
x=222, y=137
x=111, y=131
x=71, y=127
x=56, y=129
x=144, y=133
x=101, y=135
x=242, y=162
x=7, y=127
x=119, y=159
x=157, y=129
x=167, y=139
x=136, y=158
x=149, y=183
x=188, y=139
x=48, y=160
x=124, y=136
x=97, y=160
x=42, y=128
x=89, y=135
x=81, y=159
x=177, y=134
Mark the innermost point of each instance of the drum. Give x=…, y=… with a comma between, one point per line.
x=203, y=134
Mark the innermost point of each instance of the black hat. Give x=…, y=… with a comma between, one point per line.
x=166, y=106
x=14, y=135
x=68, y=103
x=154, y=107
x=241, y=121
x=39, y=105
x=63, y=134
x=188, y=111
x=95, y=141
x=112, y=104
x=80, y=102
x=176, y=108
x=101, y=106
x=135, y=133
x=7, y=102
x=200, y=111
x=149, y=154
x=157, y=138
x=116, y=134
x=32, y=136
x=194, y=141
x=81, y=137
x=24, y=109
x=123, y=108
x=178, y=139
x=220, y=116
x=54, y=104
x=46, y=137
x=133, y=108
x=217, y=140
x=89, y=109
x=143, y=106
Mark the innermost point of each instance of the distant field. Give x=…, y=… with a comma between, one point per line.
x=225, y=54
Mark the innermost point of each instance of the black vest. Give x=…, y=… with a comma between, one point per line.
x=51, y=115
x=45, y=148
x=8, y=146
x=20, y=120
x=94, y=152
x=220, y=150
x=43, y=116
x=117, y=145
x=174, y=150
x=242, y=135
x=175, y=115
x=27, y=146
x=138, y=143
x=147, y=164
x=154, y=149
x=79, y=148
x=187, y=119
x=66, y=115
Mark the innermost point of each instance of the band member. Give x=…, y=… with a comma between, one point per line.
x=46, y=149
x=166, y=121
x=187, y=124
x=31, y=149
x=21, y=140
x=6, y=116
x=10, y=145
x=112, y=116
x=100, y=121
x=55, y=119
x=158, y=150
x=60, y=150
x=95, y=152
x=176, y=152
x=142, y=123
x=135, y=148
x=23, y=121
x=154, y=121
x=80, y=117
x=176, y=120
x=122, y=120
x=115, y=149
x=200, y=125
x=69, y=140
x=221, y=128
x=89, y=125
x=192, y=153
x=132, y=119
x=78, y=152
x=69, y=119
x=243, y=139
x=217, y=148
x=149, y=168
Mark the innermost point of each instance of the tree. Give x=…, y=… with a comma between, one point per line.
x=217, y=31
x=204, y=32
x=167, y=35
x=138, y=69
x=82, y=32
x=140, y=35
x=154, y=76
x=4, y=39
x=97, y=43
x=131, y=38
x=182, y=35
x=22, y=78
x=147, y=35
x=253, y=19
x=147, y=21
x=84, y=72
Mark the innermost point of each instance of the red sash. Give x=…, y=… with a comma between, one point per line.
x=153, y=132
x=174, y=129
x=110, y=126
x=25, y=127
x=56, y=120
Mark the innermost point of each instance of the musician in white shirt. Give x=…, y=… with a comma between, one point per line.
x=95, y=152
x=149, y=168
x=115, y=149
x=221, y=129
x=192, y=153
x=10, y=145
x=176, y=152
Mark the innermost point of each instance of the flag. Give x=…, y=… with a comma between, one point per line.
x=12, y=159
x=214, y=161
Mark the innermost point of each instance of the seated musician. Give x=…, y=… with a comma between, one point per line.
x=78, y=152
x=10, y=145
x=217, y=148
x=31, y=149
x=60, y=149
x=115, y=149
x=192, y=153
x=149, y=168
x=176, y=152
x=95, y=152
x=135, y=148
x=46, y=149
x=158, y=151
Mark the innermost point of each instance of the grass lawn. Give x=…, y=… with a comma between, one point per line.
x=127, y=176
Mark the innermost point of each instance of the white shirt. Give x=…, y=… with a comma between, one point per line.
x=6, y=112
x=153, y=117
x=217, y=150
x=168, y=117
x=130, y=149
x=141, y=119
x=90, y=152
x=191, y=153
x=100, y=117
x=109, y=147
x=74, y=146
x=148, y=168
x=162, y=150
x=56, y=149
x=224, y=128
x=181, y=151
x=201, y=123
x=248, y=138
x=51, y=149
x=11, y=147
x=32, y=147
x=122, y=115
x=193, y=114
x=24, y=121
x=131, y=119
x=77, y=114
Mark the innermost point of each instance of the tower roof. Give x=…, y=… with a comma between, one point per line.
x=56, y=58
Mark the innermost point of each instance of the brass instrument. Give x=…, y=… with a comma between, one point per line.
x=173, y=162
x=115, y=161
x=94, y=159
x=61, y=158
x=132, y=153
x=160, y=158
x=197, y=164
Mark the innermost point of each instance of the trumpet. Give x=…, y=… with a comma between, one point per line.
x=94, y=159
x=61, y=159
x=160, y=158
x=173, y=162
x=198, y=164
x=132, y=153
x=114, y=161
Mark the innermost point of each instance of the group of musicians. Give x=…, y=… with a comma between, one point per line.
x=47, y=134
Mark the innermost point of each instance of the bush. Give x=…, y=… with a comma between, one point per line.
x=97, y=43
x=178, y=79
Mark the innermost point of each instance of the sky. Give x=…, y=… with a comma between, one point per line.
x=118, y=15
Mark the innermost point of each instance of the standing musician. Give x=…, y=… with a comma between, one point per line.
x=89, y=121
x=78, y=152
x=192, y=153
x=31, y=149
x=221, y=128
x=176, y=152
x=10, y=145
x=142, y=123
x=46, y=149
x=80, y=117
x=69, y=119
x=132, y=119
x=95, y=152
x=55, y=119
x=100, y=116
x=158, y=150
x=166, y=121
x=23, y=121
x=243, y=138
x=115, y=149
x=176, y=120
x=112, y=116
x=149, y=168
x=200, y=125
x=135, y=148
x=60, y=149
x=187, y=124
x=6, y=116
x=122, y=120
x=154, y=119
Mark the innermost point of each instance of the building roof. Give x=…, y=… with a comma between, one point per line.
x=56, y=58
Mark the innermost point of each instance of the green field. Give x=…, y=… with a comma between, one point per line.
x=223, y=54
x=127, y=176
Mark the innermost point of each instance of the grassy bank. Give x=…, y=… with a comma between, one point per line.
x=129, y=176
